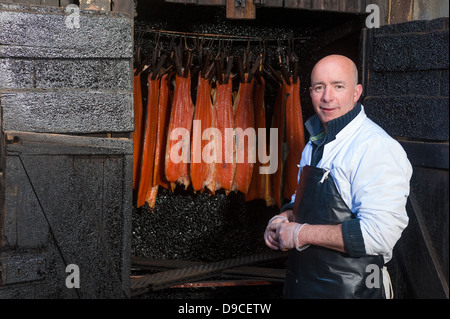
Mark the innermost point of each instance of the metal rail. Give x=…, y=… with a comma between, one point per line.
x=174, y=277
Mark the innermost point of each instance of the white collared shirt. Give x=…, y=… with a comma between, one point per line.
x=372, y=173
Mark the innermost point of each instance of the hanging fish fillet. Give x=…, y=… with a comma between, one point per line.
x=163, y=112
x=202, y=169
x=257, y=189
x=245, y=147
x=224, y=122
x=278, y=122
x=164, y=107
x=177, y=155
x=148, y=152
x=138, y=131
x=295, y=136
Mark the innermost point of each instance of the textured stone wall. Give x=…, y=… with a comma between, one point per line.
x=67, y=80
x=407, y=89
x=66, y=184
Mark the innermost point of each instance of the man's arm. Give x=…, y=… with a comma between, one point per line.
x=329, y=236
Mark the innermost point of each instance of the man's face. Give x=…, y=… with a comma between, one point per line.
x=333, y=88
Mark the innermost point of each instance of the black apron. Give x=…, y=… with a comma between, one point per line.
x=318, y=272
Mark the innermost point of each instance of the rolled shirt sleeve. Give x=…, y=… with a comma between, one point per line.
x=379, y=190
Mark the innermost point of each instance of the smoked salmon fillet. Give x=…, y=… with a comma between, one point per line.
x=202, y=168
x=257, y=189
x=159, y=176
x=148, y=152
x=278, y=122
x=245, y=143
x=164, y=107
x=177, y=155
x=137, y=134
x=295, y=136
x=225, y=165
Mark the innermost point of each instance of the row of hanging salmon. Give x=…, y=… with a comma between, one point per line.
x=170, y=147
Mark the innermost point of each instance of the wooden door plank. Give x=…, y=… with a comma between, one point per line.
x=27, y=143
x=298, y=4
x=212, y=2
x=73, y=209
x=428, y=280
x=427, y=154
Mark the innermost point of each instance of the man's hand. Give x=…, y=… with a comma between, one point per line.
x=270, y=235
x=287, y=235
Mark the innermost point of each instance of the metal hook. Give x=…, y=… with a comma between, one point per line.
x=186, y=46
x=157, y=37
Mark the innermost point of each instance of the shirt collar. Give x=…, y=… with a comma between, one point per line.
x=317, y=130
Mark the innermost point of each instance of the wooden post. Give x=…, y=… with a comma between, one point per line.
x=124, y=6
x=246, y=10
x=103, y=5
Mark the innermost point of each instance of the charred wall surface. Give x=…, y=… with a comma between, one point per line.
x=407, y=94
x=67, y=103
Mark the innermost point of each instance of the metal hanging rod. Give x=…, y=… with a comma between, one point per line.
x=211, y=36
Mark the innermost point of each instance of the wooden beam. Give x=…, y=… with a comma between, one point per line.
x=183, y=1
x=332, y=5
x=352, y=6
x=102, y=5
x=269, y=3
x=245, y=11
x=298, y=4
x=212, y=2
x=424, y=154
x=126, y=6
x=400, y=11
x=26, y=143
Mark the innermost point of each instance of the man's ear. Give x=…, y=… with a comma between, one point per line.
x=358, y=92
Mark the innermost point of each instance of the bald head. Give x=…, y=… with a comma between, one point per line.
x=340, y=63
x=334, y=87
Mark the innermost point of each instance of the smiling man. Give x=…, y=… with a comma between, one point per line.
x=334, y=87
x=349, y=209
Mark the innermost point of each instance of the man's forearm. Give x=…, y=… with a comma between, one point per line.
x=329, y=236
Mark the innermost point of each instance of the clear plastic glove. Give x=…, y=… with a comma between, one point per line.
x=287, y=236
x=270, y=235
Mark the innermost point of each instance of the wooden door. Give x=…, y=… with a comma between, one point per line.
x=406, y=92
x=66, y=202
x=66, y=100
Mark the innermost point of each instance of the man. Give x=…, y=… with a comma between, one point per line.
x=349, y=209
